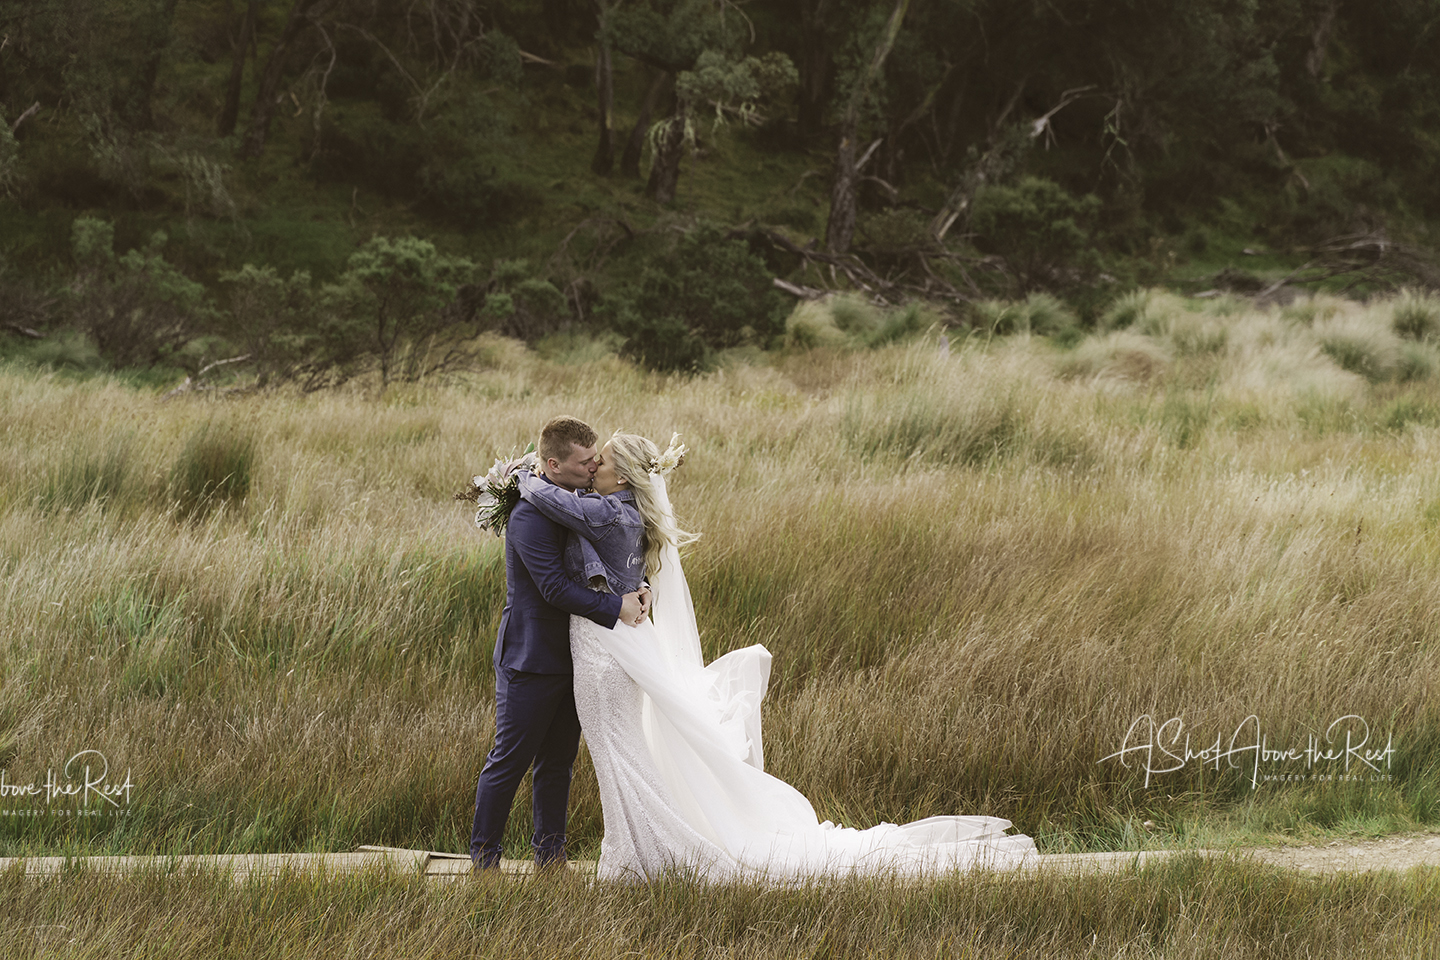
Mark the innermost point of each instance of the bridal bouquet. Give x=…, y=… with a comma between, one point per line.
x=496, y=493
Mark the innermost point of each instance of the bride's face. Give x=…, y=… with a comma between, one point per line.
x=606, y=479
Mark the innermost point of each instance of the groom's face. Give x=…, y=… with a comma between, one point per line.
x=576, y=470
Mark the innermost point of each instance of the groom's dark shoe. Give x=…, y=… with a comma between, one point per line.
x=485, y=867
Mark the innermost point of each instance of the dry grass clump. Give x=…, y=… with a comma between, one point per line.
x=974, y=571
x=847, y=321
x=1038, y=313
x=1415, y=315
x=1360, y=343
x=1120, y=355
x=1146, y=311
x=1318, y=307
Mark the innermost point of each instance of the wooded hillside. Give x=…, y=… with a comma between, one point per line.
x=335, y=186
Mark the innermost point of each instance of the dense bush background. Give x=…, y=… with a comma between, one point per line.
x=655, y=165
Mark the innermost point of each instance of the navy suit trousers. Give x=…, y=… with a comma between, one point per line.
x=535, y=723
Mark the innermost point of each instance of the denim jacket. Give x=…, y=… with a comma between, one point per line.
x=607, y=535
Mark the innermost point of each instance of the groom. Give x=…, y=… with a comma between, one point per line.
x=535, y=719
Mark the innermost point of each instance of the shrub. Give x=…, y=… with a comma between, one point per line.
x=451, y=167
x=707, y=291
x=466, y=191
x=271, y=320
x=9, y=159
x=1192, y=334
x=1355, y=354
x=1122, y=355
x=855, y=315
x=139, y=308
x=1311, y=309
x=579, y=347
x=660, y=342
x=521, y=305
x=1039, y=313
x=393, y=295
x=848, y=321
x=902, y=322
x=1000, y=317
x=1040, y=230
x=1321, y=412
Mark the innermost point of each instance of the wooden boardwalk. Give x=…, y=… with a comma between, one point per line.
x=242, y=866
x=1351, y=856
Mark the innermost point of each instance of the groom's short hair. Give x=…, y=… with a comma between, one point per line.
x=559, y=433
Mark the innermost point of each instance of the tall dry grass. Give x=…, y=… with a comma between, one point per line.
x=1188, y=908
x=974, y=569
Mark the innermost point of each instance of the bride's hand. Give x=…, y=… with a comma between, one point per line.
x=632, y=609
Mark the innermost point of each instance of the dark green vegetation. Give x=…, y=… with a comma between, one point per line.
x=337, y=187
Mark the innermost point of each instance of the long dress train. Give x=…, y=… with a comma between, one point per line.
x=679, y=759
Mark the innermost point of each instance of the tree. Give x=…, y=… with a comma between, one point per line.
x=841, y=228
x=696, y=45
x=304, y=15
x=230, y=113
x=604, y=159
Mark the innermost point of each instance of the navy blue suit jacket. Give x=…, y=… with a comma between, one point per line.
x=539, y=598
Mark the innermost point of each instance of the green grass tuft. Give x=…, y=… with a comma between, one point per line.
x=214, y=468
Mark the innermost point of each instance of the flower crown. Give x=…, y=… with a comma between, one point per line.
x=673, y=457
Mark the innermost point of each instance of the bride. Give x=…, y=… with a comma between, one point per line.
x=676, y=744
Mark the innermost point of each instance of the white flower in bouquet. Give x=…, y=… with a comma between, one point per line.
x=498, y=490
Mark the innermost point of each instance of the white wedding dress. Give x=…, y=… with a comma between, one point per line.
x=680, y=764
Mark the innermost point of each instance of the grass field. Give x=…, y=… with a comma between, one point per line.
x=1189, y=907
x=975, y=570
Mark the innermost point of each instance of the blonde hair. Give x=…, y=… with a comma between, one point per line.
x=634, y=456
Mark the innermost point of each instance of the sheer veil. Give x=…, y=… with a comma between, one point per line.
x=672, y=603
x=736, y=682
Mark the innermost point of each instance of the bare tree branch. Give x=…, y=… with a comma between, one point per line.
x=24, y=331
x=29, y=112
x=192, y=384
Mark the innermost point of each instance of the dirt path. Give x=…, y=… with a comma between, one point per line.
x=1399, y=852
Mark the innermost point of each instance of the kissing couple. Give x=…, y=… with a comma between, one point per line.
x=598, y=634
